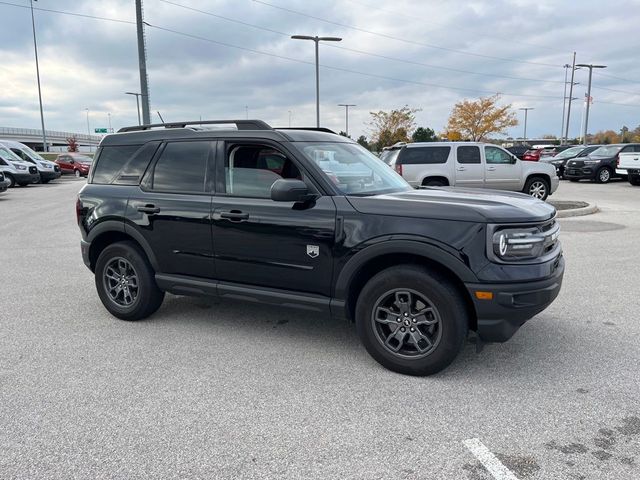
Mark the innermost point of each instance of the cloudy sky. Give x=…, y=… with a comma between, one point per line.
x=215, y=58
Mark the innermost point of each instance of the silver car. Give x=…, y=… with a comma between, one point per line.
x=472, y=164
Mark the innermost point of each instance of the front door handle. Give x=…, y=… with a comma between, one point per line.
x=491, y=169
x=149, y=209
x=234, y=215
x=461, y=169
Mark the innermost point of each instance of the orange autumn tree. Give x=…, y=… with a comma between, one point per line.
x=475, y=120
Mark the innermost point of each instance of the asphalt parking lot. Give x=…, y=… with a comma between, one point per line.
x=232, y=390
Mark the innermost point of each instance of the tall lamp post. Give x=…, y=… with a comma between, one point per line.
x=88, y=130
x=590, y=66
x=137, y=95
x=317, y=41
x=346, y=114
x=45, y=147
x=526, y=110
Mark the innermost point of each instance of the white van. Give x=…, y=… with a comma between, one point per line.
x=48, y=170
x=472, y=164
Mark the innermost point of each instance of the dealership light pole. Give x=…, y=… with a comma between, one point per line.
x=317, y=41
x=142, y=63
x=45, y=147
x=590, y=66
x=137, y=103
x=346, y=114
x=88, y=130
x=526, y=110
x=566, y=125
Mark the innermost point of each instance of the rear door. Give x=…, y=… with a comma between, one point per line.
x=424, y=161
x=469, y=168
x=502, y=173
x=172, y=208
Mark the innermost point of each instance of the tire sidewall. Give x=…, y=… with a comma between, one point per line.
x=454, y=322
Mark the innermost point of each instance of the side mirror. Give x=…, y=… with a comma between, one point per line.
x=289, y=190
x=514, y=159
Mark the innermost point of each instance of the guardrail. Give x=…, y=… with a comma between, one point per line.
x=8, y=131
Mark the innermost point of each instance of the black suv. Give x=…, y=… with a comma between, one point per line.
x=600, y=165
x=307, y=218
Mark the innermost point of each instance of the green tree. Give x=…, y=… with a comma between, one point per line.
x=344, y=134
x=391, y=127
x=362, y=140
x=424, y=135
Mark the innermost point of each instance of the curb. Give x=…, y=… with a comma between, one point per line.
x=578, y=212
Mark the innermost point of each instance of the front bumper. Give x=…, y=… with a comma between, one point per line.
x=555, y=183
x=513, y=303
x=26, y=177
x=48, y=175
x=580, y=173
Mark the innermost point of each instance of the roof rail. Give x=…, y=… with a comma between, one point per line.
x=240, y=124
x=316, y=129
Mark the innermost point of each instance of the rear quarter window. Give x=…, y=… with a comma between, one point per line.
x=122, y=165
x=424, y=155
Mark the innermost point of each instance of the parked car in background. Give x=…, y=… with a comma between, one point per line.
x=74, y=163
x=17, y=171
x=48, y=170
x=4, y=183
x=472, y=164
x=560, y=160
x=553, y=151
x=629, y=163
x=387, y=151
x=600, y=165
x=533, y=154
x=518, y=150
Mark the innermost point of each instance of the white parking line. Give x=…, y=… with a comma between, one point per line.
x=489, y=460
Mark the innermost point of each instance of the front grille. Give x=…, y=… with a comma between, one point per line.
x=551, y=232
x=56, y=168
x=33, y=170
x=575, y=163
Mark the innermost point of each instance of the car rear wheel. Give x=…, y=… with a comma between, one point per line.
x=126, y=283
x=77, y=173
x=634, y=180
x=603, y=175
x=411, y=320
x=537, y=187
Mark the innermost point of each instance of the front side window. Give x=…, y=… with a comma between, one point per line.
x=353, y=169
x=250, y=170
x=182, y=167
x=469, y=154
x=495, y=155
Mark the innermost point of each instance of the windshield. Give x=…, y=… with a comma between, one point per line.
x=391, y=158
x=9, y=156
x=82, y=159
x=353, y=169
x=569, y=153
x=608, y=151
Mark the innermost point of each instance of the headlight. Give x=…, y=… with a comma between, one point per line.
x=20, y=167
x=526, y=243
x=591, y=162
x=45, y=165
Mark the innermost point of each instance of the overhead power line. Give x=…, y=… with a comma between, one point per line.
x=404, y=40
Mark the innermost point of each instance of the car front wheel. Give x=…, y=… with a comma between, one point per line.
x=411, y=320
x=603, y=175
x=126, y=282
x=77, y=173
x=537, y=187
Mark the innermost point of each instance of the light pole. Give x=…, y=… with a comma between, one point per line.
x=564, y=103
x=138, y=95
x=566, y=126
x=590, y=66
x=317, y=41
x=346, y=114
x=526, y=110
x=88, y=130
x=110, y=129
x=45, y=147
x=246, y=111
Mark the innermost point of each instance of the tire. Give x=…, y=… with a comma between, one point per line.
x=537, y=187
x=634, y=180
x=433, y=183
x=148, y=297
x=12, y=181
x=77, y=173
x=446, y=335
x=603, y=175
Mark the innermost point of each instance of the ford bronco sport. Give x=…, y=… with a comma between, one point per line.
x=309, y=219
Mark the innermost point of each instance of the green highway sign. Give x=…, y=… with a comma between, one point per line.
x=101, y=130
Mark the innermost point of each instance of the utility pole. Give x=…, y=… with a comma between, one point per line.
x=137, y=95
x=45, y=147
x=142, y=60
x=590, y=66
x=566, y=125
x=110, y=129
x=346, y=114
x=526, y=110
x=317, y=41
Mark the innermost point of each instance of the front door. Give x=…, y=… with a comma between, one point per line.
x=172, y=208
x=258, y=241
x=469, y=167
x=502, y=172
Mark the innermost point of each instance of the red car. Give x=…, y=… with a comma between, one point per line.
x=532, y=155
x=74, y=163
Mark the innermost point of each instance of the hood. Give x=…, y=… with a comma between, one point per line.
x=462, y=204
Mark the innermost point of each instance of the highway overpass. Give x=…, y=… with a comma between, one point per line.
x=57, y=140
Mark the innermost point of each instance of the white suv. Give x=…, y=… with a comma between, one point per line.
x=472, y=164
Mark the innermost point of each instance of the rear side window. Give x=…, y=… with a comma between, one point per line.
x=469, y=154
x=110, y=162
x=182, y=167
x=424, y=155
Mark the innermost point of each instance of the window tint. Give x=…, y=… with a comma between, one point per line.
x=424, y=155
x=182, y=167
x=250, y=170
x=495, y=155
x=110, y=161
x=469, y=154
x=134, y=169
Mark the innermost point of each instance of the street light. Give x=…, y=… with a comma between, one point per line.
x=45, y=147
x=526, y=110
x=317, y=40
x=590, y=66
x=346, y=114
x=88, y=130
x=138, y=95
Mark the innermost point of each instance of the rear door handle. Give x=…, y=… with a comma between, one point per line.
x=234, y=215
x=149, y=209
x=491, y=169
x=461, y=169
